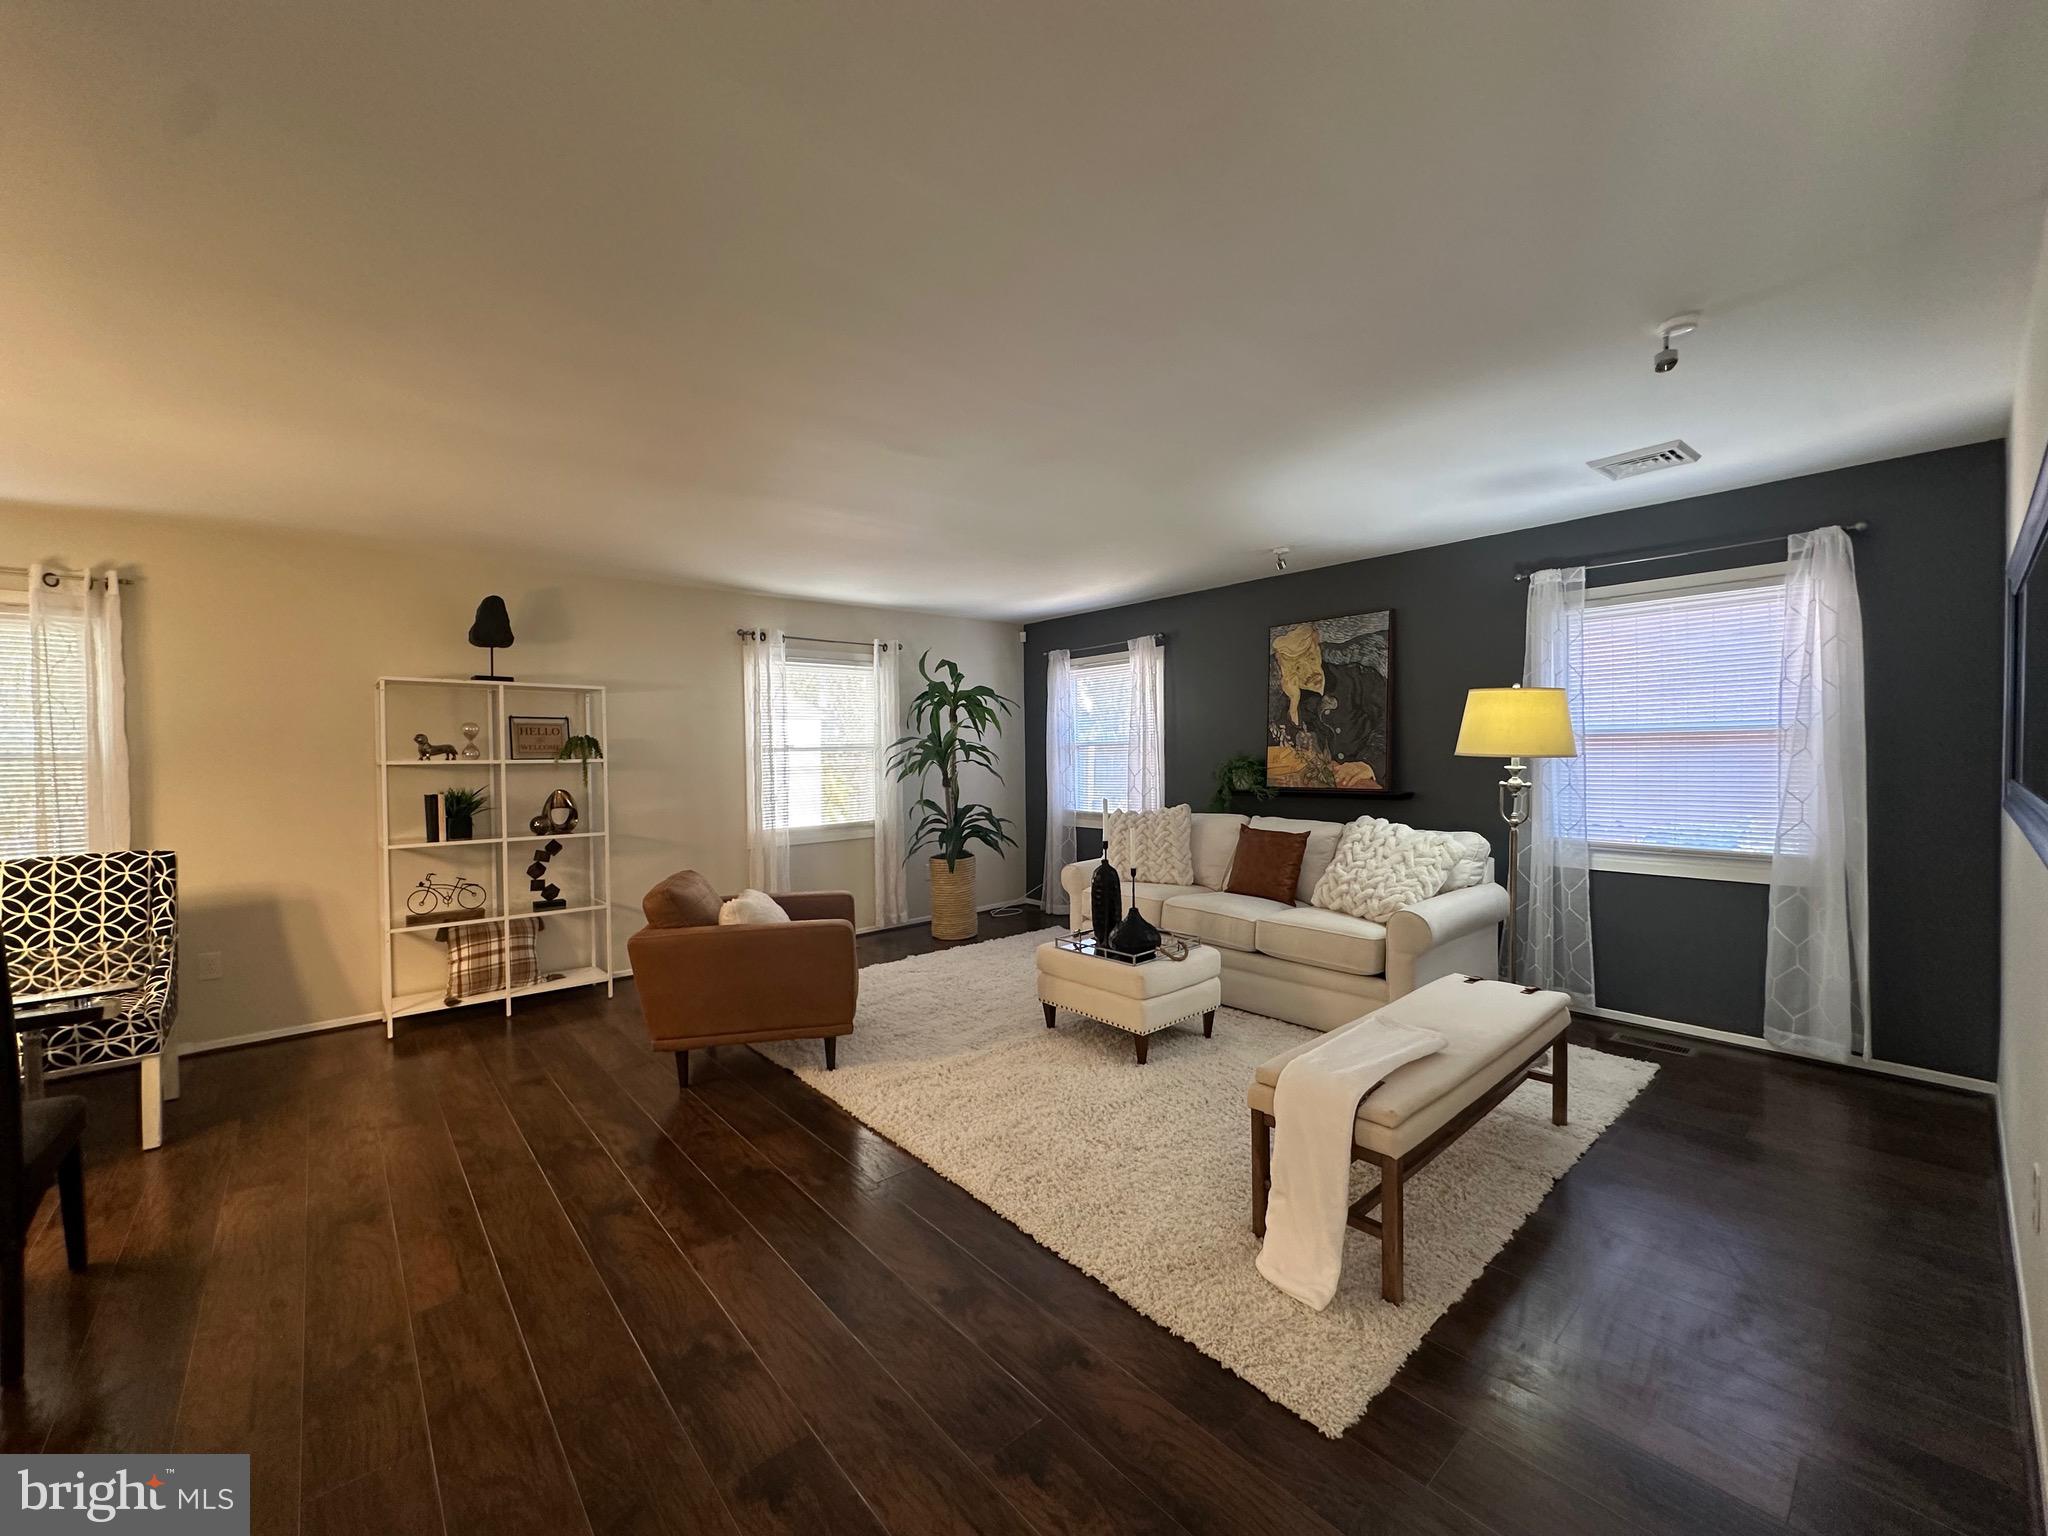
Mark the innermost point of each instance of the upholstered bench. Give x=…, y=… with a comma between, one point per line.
x=1140, y=1000
x=1421, y=1108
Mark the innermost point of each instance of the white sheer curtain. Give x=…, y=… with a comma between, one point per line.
x=1817, y=961
x=767, y=695
x=74, y=631
x=1148, y=724
x=1060, y=777
x=1554, y=899
x=891, y=902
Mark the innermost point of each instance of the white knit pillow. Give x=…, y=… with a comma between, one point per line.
x=1473, y=851
x=1381, y=867
x=752, y=906
x=1158, y=844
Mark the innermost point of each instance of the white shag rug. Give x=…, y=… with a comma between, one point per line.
x=1141, y=1176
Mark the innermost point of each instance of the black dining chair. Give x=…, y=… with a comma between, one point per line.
x=39, y=1146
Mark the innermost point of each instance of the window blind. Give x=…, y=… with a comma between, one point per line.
x=1102, y=731
x=66, y=660
x=830, y=728
x=1681, y=718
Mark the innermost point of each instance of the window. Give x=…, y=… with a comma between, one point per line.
x=1681, y=723
x=830, y=726
x=1102, y=732
x=66, y=769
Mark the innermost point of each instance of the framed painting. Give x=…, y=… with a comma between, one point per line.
x=1330, y=704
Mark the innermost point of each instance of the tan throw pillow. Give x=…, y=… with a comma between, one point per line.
x=752, y=906
x=1381, y=867
x=683, y=900
x=1267, y=864
x=1158, y=844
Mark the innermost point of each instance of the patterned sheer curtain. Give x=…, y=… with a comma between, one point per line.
x=1148, y=724
x=1817, y=960
x=767, y=696
x=891, y=902
x=77, y=710
x=1061, y=777
x=1554, y=899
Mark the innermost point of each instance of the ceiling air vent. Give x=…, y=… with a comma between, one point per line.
x=1642, y=461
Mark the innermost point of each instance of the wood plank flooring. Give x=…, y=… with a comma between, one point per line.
x=488, y=1281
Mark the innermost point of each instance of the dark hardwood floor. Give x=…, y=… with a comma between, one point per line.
x=497, y=1281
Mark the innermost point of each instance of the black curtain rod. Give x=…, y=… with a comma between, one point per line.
x=762, y=634
x=1678, y=553
x=1114, y=645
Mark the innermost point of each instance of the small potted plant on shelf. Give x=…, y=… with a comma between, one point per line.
x=948, y=721
x=460, y=808
x=580, y=749
x=1240, y=775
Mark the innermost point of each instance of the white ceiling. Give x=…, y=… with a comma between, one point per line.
x=995, y=308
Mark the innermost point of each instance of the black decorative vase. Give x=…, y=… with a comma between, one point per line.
x=461, y=826
x=1105, y=897
x=1134, y=936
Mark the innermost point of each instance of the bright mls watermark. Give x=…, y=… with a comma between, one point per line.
x=164, y=1495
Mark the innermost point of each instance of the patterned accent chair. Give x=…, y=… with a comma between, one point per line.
x=85, y=901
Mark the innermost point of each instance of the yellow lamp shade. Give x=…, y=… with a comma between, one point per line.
x=1516, y=722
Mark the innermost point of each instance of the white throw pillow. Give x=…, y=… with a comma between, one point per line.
x=1381, y=867
x=1215, y=845
x=752, y=906
x=1158, y=844
x=1473, y=851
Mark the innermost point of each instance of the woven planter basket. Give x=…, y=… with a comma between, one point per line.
x=953, y=899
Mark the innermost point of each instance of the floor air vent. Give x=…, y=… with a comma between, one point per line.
x=1643, y=461
x=1650, y=1043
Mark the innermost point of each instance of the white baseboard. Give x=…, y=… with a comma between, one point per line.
x=913, y=922
x=1758, y=1043
x=351, y=1021
x=2019, y=1277
x=318, y=1026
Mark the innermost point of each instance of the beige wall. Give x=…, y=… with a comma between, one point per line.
x=2023, y=1037
x=251, y=659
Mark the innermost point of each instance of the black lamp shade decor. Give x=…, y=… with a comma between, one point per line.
x=492, y=632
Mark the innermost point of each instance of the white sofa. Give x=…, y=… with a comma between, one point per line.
x=1300, y=963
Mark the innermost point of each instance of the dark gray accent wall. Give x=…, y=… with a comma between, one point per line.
x=1929, y=573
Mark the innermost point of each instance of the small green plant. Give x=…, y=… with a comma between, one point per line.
x=466, y=802
x=580, y=749
x=949, y=721
x=1240, y=775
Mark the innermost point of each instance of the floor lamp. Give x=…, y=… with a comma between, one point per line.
x=1515, y=723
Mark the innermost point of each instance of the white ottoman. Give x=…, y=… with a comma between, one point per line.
x=1141, y=1000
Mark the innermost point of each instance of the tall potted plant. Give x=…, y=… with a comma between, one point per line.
x=949, y=723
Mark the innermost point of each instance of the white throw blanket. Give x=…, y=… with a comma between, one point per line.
x=1316, y=1105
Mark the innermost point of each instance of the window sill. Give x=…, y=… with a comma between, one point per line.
x=844, y=832
x=1684, y=864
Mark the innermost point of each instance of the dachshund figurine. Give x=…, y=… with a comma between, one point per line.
x=432, y=748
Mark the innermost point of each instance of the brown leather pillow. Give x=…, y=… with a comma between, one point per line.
x=1267, y=864
x=684, y=900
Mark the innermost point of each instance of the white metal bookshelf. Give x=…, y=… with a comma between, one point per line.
x=414, y=966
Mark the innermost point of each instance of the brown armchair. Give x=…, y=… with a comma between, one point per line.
x=703, y=984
